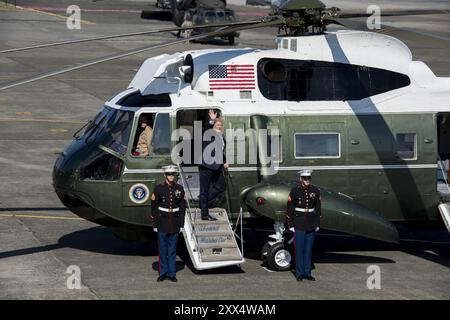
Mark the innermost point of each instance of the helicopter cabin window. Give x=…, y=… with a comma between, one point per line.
x=301, y=80
x=406, y=145
x=317, y=145
x=152, y=135
x=101, y=166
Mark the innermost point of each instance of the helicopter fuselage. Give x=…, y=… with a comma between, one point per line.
x=352, y=106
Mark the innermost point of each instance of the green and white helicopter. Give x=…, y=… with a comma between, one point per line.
x=352, y=106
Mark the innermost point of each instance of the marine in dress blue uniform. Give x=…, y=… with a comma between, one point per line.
x=168, y=211
x=303, y=215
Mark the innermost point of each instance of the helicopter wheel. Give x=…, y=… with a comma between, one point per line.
x=264, y=251
x=278, y=257
x=231, y=40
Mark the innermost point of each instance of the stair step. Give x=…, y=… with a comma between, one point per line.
x=213, y=233
x=220, y=245
x=221, y=227
x=211, y=241
x=206, y=222
x=218, y=213
x=219, y=257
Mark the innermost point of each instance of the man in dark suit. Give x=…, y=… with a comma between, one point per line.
x=211, y=170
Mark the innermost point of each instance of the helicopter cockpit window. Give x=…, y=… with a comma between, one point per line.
x=152, y=135
x=119, y=131
x=143, y=138
x=101, y=166
x=324, y=81
x=97, y=122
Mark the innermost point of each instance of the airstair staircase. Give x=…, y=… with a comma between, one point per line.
x=211, y=244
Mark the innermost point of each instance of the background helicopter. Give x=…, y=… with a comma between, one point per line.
x=176, y=10
x=194, y=12
x=291, y=22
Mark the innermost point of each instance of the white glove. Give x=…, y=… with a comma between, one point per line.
x=317, y=229
x=292, y=229
x=155, y=229
x=181, y=230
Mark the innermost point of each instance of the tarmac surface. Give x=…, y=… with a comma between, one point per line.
x=40, y=239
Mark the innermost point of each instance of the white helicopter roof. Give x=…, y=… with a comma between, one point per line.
x=353, y=47
x=162, y=74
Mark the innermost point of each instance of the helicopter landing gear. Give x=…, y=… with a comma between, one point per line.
x=275, y=254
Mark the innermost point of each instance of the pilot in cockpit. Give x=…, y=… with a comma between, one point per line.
x=144, y=147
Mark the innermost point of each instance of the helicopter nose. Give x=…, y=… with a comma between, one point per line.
x=63, y=177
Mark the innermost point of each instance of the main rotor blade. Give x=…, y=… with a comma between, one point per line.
x=348, y=23
x=139, y=50
x=122, y=35
x=393, y=13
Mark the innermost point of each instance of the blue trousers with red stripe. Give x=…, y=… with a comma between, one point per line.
x=167, y=246
x=304, y=242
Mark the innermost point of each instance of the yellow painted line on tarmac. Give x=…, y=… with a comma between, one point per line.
x=24, y=113
x=39, y=217
x=55, y=15
x=41, y=120
x=58, y=130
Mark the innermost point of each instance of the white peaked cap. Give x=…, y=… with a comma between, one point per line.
x=171, y=168
x=305, y=173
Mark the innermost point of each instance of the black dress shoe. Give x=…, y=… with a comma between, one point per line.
x=299, y=278
x=173, y=279
x=208, y=218
x=311, y=278
x=161, y=278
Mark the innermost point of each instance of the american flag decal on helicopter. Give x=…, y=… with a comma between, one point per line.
x=232, y=77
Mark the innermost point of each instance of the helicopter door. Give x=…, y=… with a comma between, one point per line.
x=190, y=120
x=443, y=126
x=149, y=151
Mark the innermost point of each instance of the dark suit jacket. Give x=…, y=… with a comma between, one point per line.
x=208, y=156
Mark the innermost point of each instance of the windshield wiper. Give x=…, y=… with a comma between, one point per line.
x=94, y=128
x=75, y=135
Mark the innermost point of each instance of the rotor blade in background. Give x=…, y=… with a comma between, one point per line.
x=139, y=50
x=386, y=27
x=348, y=23
x=393, y=13
x=61, y=43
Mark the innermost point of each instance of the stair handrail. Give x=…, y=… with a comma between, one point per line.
x=443, y=173
x=241, y=238
x=186, y=186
